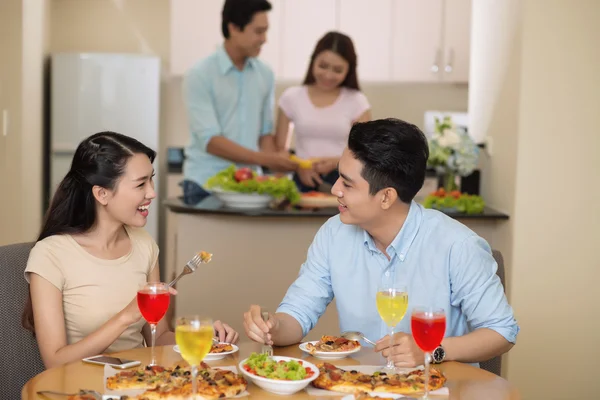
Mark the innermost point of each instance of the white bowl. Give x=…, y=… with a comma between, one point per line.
x=278, y=386
x=214, y=356
x=243, y=201
x=328, y=355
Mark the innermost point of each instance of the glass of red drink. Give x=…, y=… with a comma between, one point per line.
x=428, y=326
x=153, y=301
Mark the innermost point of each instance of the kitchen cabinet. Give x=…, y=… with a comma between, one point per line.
x=430, y=40
x=457, y=43
x=395, y=40
x=370, y=27
x=304, y=23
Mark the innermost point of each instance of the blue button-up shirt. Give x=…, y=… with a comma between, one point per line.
x=441, y=262
x=222, y=100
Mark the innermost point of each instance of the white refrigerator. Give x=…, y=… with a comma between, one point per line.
x=93, y=92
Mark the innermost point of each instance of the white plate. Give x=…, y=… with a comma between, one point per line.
x=242, y=201
x=213, y=356
x=328, y=355
x=278, y=386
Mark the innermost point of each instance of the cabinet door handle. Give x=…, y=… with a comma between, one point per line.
x=448, y=68
x=435, y=67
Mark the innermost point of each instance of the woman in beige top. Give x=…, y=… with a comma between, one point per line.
x=93, y=254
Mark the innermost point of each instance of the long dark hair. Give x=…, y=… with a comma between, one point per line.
x=342, y=45
x=99, y=160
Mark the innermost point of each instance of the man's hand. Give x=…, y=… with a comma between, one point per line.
x=279, y=161
x=405, y=352
x=257, y=329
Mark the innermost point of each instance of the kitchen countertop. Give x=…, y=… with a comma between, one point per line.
x=212, y=205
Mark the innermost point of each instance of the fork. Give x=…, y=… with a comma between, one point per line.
x=190, y=267
x=265, y=347
x=92, y=393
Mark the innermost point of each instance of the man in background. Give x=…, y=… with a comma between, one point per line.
x=229, y=97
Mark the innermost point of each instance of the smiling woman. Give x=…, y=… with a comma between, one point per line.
x=93, y=243
x=323, y=110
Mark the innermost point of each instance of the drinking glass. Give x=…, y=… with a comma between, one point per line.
x=194, y=336
x=153, y=301
x=428, y=325
x=392, y=302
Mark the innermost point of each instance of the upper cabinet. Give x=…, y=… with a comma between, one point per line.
x=430, y=40
x=395, y=40
x=457, y=40
x=369, y=25
x=304, y=23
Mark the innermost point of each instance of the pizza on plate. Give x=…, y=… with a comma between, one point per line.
x=176, y=383
x=331, y=344
x=221, y=348
x=340, y=380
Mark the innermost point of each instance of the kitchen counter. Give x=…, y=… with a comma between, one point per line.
x=212, y=205
x=256, y=256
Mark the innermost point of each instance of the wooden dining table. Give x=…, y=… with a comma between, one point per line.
x=463, y=381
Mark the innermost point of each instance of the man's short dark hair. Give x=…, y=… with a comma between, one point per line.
x=240, y=13
x=394, y=154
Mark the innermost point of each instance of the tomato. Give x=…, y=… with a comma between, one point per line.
x=243, y=174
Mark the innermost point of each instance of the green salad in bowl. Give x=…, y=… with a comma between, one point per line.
x=278, y=374
x=246, y=181
x=267, y=367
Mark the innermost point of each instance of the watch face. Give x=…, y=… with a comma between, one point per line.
x=438, y=354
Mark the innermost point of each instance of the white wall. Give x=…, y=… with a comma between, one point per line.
x=542, y=116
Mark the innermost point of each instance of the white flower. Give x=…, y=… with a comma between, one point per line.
x=449, y=138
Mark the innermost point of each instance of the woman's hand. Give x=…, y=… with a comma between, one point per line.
x=325, y=166
x=309, y=177
x=225, y=333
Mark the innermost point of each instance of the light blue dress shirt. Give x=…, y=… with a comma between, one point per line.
x=441, y=262
x=222, y=100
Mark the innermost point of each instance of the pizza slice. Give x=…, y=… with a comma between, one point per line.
x=408, y=383
x=332, y=344
x=221, y=348
x=140, y=378
x=339, y=380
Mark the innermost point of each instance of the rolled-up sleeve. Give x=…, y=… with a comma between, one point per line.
x=477, y=290
x=268, y=108
x=310, y=294
x=202, y=117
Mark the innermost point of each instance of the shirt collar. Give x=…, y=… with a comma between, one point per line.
x=403, y=240
x=225, y=63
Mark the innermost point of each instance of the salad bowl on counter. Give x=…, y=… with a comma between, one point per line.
x=242, y=201
x=242, y=188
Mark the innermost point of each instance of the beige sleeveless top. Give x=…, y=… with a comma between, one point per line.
x=95, y=290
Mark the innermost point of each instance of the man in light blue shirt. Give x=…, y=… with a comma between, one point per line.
x=381, y=232
x=229, y=98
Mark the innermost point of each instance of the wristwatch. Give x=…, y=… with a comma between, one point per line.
x=438, y=355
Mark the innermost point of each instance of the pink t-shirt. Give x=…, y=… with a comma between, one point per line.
x=322, y=131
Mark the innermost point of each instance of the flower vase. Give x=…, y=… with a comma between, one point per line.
x=448, y=182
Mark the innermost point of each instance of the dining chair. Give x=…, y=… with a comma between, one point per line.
x=19, y=354
x=494, y=365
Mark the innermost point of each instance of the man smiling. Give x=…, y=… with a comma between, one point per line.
x=380, y=229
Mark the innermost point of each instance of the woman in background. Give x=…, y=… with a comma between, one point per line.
x=93, y=255
x=323, y=110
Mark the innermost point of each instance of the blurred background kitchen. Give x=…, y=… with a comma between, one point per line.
x=521, y=76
